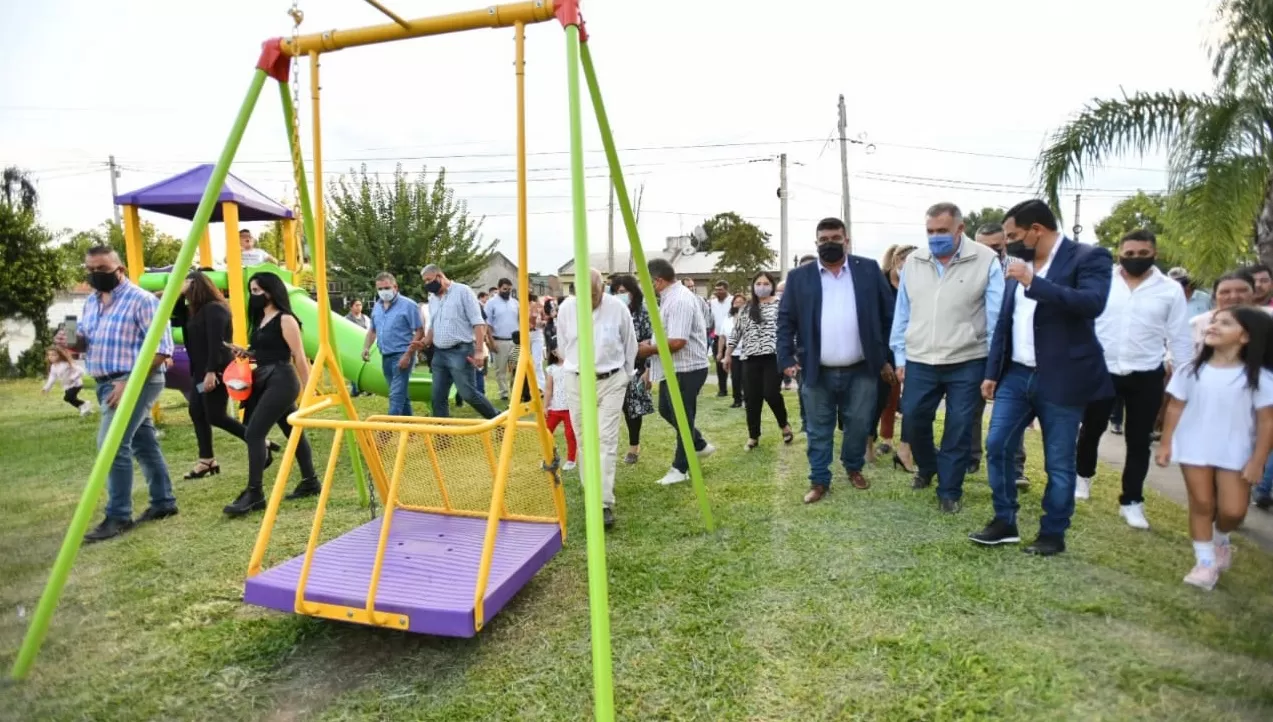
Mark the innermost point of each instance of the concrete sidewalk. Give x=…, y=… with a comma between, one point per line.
x=1258, y=527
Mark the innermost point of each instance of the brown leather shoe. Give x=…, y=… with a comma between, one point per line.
x=858, y=481
x=815, y=494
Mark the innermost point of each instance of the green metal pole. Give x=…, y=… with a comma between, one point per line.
x=132, y=390
x=598, y=590
x=647, y=288
x=307, y=221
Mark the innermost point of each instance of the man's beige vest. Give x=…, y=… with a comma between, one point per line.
x=948, y=312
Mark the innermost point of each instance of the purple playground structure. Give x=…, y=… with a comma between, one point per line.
x=429, y=573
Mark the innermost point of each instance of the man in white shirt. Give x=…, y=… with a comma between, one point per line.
x=1145, y=317
x=502, y=316
x=615, y=351
x=719, y=305
x=249, y=254
x=683, y=315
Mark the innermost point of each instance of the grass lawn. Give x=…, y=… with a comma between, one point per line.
x=868, y=606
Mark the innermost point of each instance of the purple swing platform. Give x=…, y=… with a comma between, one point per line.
x=429, y=571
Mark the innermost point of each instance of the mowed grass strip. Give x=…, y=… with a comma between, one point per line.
x=870, y=605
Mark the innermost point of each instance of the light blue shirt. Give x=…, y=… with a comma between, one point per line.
x=502, y=316
x=454, y=315
x=1199, y=302
x=902, y=310
x=841, y=338
x=396, y=325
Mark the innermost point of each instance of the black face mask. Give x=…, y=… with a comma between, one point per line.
x=434, y=287
x=831, y=252
x=1017, y=249
x=1136, y=267
x=257, y=303
x=505, y=294
x=104, y=281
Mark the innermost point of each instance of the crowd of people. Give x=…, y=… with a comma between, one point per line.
x=1014, y=316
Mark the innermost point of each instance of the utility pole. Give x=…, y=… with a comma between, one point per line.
x=610, y=242
x=1078, y=203
x=782, y=204
x=115, y=191
x=844, y=171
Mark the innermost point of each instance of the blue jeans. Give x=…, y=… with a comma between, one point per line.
x=1016, y=403
x=843, y=394
x=1265, y=487
x=452, y=366
x=925, y=386
x=139, y=441
x=398, y=380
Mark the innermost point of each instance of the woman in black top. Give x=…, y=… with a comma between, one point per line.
x=637, y=402
x=205, y=318
x=281, y=372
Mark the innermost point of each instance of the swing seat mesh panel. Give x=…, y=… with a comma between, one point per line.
x=456, y=471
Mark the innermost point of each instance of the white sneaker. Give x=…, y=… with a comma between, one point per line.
x=86, y=409
x=706, y=451
x=1134, y=514
x=1083, y=488
x=568, y=466
x=673, y=477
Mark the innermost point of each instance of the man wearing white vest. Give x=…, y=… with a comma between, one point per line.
x=948, y=300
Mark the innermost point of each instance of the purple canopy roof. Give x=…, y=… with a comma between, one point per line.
x=179, y=196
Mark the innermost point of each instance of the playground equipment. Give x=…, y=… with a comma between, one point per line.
x=412, y=569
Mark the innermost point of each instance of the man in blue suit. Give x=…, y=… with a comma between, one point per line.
x=837, y=312
x=1045, y=362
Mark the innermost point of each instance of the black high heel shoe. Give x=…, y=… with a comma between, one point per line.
x=788, y=436
x=202, y=469
x=899, y=464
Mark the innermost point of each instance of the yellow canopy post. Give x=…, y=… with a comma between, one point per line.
x=205, y=249
x=133, y=255
x=291, y=249
x=234, y=272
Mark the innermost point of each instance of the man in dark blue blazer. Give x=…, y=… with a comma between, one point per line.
x=1045, y=362
x=837, y=313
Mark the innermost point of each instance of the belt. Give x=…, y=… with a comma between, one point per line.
x=502, y=338
x=111, y=377
x=602, y=375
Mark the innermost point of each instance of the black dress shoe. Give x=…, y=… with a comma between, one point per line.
x=1046, y=545
x=309, y=486
x=919, y=481
x=155, y=514
x=996, y=532
x=607, y=517
x=974, y=466
x=249, y=501
x=950, y=506
x=1264, y=502
x=108, y=529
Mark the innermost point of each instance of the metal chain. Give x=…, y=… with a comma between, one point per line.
x=298, y=16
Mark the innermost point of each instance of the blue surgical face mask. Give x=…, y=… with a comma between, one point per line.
x=942, y=245
x=626, y=298
x=386, y=294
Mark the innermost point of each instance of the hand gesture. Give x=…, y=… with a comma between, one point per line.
x=1022, y=271
x=209, y=381
x=366, y=354
x=404, y=361
x=725, y=362
x=117, y=393
x=1253, y=472
x=791, y=371
x=988, y=389
x=238, y=351
x=1163, y=457
x=891, y=375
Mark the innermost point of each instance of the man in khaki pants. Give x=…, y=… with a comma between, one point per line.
x=615, y=349
x=502, y=316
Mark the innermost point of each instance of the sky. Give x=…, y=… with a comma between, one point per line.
x=950, y=102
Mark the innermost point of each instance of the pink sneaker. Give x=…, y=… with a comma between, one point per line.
x=1203, y=577
x=1224, y=557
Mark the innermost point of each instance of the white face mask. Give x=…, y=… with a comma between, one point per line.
x=386, y=294
x=625, y=298
x=763, y=291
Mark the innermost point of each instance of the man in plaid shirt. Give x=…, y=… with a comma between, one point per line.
x=114, y=324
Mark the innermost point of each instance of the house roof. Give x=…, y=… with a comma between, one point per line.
x=179, y=196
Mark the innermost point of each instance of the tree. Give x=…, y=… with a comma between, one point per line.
x=976, y=219
x=743, y=247
x=271, y=241
x=158, y=248
x=1220, y=144
x=30, y=275
x=399, y=225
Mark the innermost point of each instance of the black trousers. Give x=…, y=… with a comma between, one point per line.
x=1141, y=392
x=72, y=396
x=207, y=410
x=736, y=378
x=722, y=379
x=691, y=383
x=763, y=385
x=634, y=430
x=274, y=391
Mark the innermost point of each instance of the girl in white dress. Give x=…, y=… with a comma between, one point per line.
x=1219, y=429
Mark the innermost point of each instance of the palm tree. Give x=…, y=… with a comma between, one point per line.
x=17, y=190
x=1220, y=144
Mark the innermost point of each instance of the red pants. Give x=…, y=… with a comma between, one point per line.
x=562, y=416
